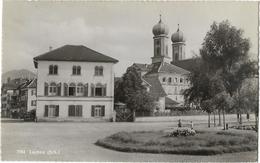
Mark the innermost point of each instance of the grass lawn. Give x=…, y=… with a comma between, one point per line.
x=205, y=142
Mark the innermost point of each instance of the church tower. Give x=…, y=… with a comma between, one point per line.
x=178, y=46
x=160, y=41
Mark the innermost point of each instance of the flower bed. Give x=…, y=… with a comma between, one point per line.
x=183, y=132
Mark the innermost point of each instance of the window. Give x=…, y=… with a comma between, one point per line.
x=98, y=71
x=164, y=79
x=33, y=92
x=175, y=91
x=76, y=70
x=53, y=89
x=53, y=69
x=72, y=89
x=170, y=80
x=33, y=103
x=51, y=111
x=176, y=80
x=75, y=111
x=80, y=89
x=158, y=50
x=98, y=111
x=181, y=80
x=98, y=90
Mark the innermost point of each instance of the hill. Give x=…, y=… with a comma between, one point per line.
x=13, y=74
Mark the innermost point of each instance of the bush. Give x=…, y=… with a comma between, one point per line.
x=182, y=132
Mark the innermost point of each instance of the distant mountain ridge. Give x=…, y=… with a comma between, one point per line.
x=13, y=74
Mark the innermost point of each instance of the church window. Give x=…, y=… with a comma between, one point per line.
x=164, y=79
x=176, y=80
x=158, y=50
x=170, y=80
x=181, y=80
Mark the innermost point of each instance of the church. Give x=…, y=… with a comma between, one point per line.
x=166, y=77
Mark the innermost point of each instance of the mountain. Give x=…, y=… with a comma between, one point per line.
x=13, y=74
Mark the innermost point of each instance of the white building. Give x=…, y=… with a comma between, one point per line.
x=74, y=83
x=28, y=95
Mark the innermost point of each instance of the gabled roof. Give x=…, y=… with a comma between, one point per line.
x=187, y=64
x=32, y=84
x=156, y=88
x=166, y=67
x=77, y=53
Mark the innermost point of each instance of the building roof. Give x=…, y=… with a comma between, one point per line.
x=156, y=88
x=166, y=67
x=77, y=53
x=32, y=84
x=187, y=64
x=170, y=102
x=10, y=86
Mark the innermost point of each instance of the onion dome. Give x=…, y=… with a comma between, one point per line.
x=160, y=28
x=178, y=36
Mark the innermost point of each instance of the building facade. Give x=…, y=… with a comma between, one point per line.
x=74, y=83
x=27, y=95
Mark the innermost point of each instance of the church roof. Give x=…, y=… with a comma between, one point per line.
x=156, y=88
x=170, y=102
x=187, y=64
x=166, y=67
x=77, y=53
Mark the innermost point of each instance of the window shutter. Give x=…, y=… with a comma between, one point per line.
x=105, y=90
x=86, y=90
x=59, y=89
x=55, y=69
x=92, y=90
x=92, y=110
x=57, y=111
x=102, y=111
x=69, y=110
x=46, y=111
x=65, y=89
x=80, y=110
x=45, y=89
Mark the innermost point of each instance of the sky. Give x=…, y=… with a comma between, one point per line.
x=122, y=30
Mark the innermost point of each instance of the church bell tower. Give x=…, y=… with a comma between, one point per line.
x=160, y=32
x=178, y=46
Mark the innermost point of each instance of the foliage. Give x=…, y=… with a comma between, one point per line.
x=224, y=66
x=183, y=132
x=131, y=91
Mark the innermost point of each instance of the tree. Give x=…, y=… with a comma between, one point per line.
x=225, y=52
x=131, y=91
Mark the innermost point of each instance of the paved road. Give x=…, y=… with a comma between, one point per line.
x=75, y=142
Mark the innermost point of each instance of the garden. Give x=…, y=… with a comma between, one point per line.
x=182, y=141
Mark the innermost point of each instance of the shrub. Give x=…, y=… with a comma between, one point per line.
x=182, y=132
